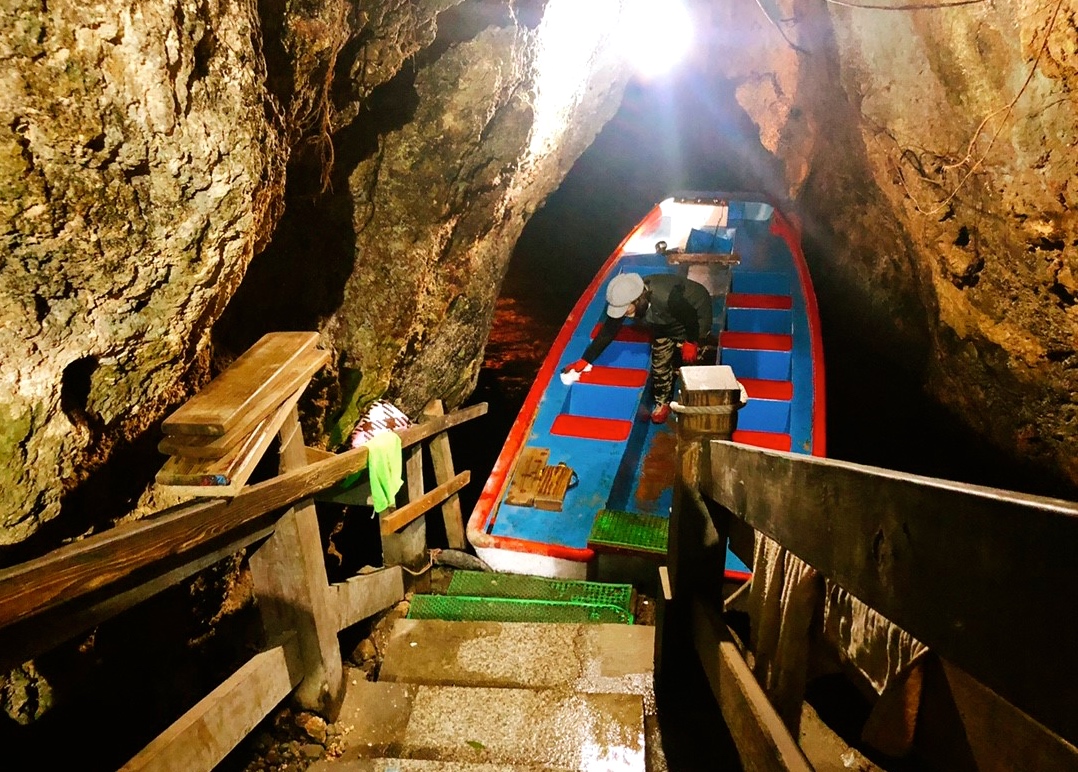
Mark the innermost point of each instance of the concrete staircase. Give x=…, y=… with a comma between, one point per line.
x=487, y=696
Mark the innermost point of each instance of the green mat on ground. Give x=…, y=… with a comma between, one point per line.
x=482, y=584
x=618, y=531
x=459, y=608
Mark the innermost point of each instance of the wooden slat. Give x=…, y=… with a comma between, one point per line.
x=288, y=572
x=365, y=595
x=707, y=258
x=226, y=476
x=553, y=485
x=394, y=521
x=526, y=473
x=943, y=560
x=27, y=638
x=204, y=735
x=763, y=742
x=963, y=725
x=250, y=389
x=89, y=566
x=442, y=460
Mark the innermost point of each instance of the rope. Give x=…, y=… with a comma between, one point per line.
x=703, y=409
x=421, y=571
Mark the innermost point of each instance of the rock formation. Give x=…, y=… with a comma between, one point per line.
x=933, y=154
x=145, y=151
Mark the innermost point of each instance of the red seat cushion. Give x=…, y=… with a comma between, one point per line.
x=769, y=440
x=760, y=388
x=628, y=333
x=615, y=376
x=589, y=428
x=745, y=300
x=760, y=341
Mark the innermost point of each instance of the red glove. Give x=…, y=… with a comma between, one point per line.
x=579, y=366
x=689, y=351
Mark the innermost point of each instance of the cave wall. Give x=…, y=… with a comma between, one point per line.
x=179, y=177
x=932, y=154
x=147, y=158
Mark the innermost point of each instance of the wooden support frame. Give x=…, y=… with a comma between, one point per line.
x=442, y=460
x=290, y=582
x=203, y=736
x=175, y=542
x=945, y=561
x=763, y=742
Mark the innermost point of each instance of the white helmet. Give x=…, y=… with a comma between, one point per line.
x=622, y=290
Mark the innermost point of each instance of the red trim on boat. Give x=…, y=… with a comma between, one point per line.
x=747, y=300
x=738, y=576
x=790, y=232
x=757, y=341
x=582, y=555
x=589, y=428
x=615, y=376
x=486, y=507
x=627, y=333
x=760, y=388
x=770, y=440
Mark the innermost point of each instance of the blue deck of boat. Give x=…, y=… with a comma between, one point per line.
x=636, y=476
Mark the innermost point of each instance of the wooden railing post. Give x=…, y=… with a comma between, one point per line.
x=292, y=589
x=407, y=547
x=695, y=550
x=442, y=459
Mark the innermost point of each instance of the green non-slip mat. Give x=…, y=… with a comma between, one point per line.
x=482, y=584
x=459, y=608
x=616, y=530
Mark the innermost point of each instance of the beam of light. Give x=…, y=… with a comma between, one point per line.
x=577, y=39
x=570, y=41
x=655, y=35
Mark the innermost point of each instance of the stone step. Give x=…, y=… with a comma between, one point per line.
x=549, y=728
x=585, y=658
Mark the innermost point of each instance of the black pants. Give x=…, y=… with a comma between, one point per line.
x=663, y=355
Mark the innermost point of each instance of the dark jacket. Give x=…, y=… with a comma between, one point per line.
x=678, y=308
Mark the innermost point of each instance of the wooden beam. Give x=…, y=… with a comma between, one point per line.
x=177, y=535
x=291, y=589
x=226, y=476
x=36, y=634
x=943, y=560
x=250, y=389
x=407, y=546
x=763, y=742
x=442, y=460
x=204, y=735
x=396, y=520
x=365, y=595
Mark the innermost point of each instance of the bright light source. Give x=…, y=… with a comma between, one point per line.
x=578, y=38
x=655, y=35
x=570, y=43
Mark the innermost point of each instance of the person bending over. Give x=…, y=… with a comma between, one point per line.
x=675, y=309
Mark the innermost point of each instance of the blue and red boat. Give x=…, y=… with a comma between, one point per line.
x=584, y=470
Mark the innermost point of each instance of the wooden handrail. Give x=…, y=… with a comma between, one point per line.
x=86, y=568
x=985, y=577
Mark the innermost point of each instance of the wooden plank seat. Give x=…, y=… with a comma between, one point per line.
x=705, y=258
x=218, y=436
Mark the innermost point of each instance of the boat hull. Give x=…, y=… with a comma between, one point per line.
x=766, y=325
